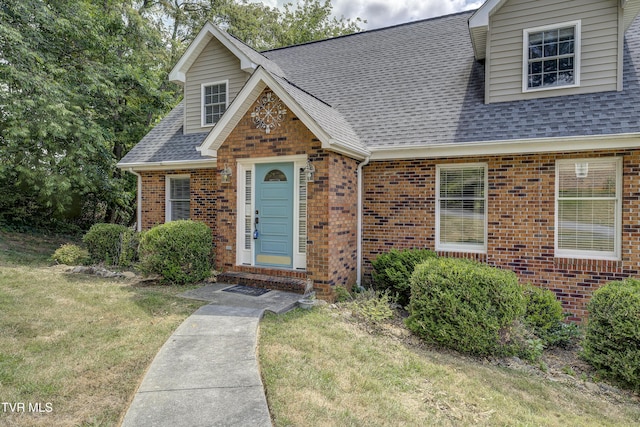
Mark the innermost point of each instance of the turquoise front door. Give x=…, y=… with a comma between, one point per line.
x=274, y=215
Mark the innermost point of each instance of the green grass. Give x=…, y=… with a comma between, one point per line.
x=321, y=368
x=77, y=342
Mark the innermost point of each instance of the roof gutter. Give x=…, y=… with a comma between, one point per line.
x=519, y=146
x=359, y=226
x=171, y=164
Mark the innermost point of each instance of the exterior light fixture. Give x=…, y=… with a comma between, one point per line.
x=226, y=174
x=309, y=171
x=582, y=170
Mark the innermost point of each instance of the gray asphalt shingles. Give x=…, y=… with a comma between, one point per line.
x=415, y=84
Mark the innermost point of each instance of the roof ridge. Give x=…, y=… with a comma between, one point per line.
x=403, y=24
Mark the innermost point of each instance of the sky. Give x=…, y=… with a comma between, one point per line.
x=384, y=13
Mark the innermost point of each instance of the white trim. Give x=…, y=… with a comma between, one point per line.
x=258, y=81
x=578, y=254
x=462, y=247
x=202, y=104
x=167, y=191
x=209, y=31
x=360, y=175
x=576, y=55
x=479, y=27
x=247, y=257
x=514, y=146
x=168, y=165
x=138, y=199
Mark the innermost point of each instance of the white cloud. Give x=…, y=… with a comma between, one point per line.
x=384, y=13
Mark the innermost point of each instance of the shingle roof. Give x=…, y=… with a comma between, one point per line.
x=413, y=85
x=418, y=84
x=166, y=142
x=327, y=117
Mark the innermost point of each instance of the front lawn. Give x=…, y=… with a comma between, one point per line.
x=75, y=347
x=325, y=368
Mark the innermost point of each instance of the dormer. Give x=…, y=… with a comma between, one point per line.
x=546, y=48
x=212, y=71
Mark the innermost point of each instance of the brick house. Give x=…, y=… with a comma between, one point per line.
x=509, y=134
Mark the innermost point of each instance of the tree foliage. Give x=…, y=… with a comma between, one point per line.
x=82, y=81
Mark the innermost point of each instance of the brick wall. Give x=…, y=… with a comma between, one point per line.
x=326, y=266
x=399, y=212
x=203, y=196
x=343, y=217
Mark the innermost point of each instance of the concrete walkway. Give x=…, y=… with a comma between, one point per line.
x=207, y=374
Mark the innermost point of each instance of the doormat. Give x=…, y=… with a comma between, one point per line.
x=247, y=290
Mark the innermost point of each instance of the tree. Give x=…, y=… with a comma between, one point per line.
x=82, y=81
x=77, y=91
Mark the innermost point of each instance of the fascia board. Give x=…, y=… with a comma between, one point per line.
x=496, y=148
x=347, y=150
x=209, y=30
x=479, y=26
x=209, y=163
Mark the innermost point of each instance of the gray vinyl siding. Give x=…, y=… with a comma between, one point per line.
x=599, y=45
x=215, y=63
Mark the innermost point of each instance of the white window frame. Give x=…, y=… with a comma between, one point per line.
x=462, y=247
x=167, y=195
x=246, y=256
x=586, y=254
x=203, y=86
x=576, y=55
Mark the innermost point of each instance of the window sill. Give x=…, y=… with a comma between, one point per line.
x=547, y=88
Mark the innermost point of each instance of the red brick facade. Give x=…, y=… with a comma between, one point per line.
x=331, y=201
x=203, y=196
x=399, y=212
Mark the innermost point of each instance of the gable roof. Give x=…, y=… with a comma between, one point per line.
x=333, y=131
x=413, y=90
x=249, y=58
x=479, y=22
x=418, y=85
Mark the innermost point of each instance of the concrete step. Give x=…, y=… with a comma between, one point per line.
x=288, y=284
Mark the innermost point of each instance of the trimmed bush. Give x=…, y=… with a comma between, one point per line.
x=128, y=245
x=179, y=251
x=393, y=271
x=70, y=254
x=104, y=242
x=544, y=318
x=465, y=305
x=612, y=337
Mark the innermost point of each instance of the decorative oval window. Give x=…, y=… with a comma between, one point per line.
x=275, y=175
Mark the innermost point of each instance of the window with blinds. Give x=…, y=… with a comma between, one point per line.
x=588, y=208
x=179, y=199
x=461, y=205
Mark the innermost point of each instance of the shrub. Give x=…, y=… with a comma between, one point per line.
x=179, y=251
x=372, y=306
x=465, y=305
x=612, y=336
x=342, y=294
x=128, y=245
x=70, y=255
x=393, y=271
x=544, y=318
x=104, y=242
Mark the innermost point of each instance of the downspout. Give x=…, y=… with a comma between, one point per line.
x=359, y=228
x=138, y=200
